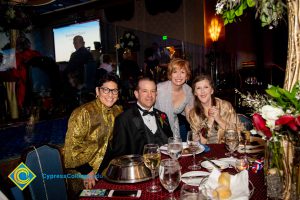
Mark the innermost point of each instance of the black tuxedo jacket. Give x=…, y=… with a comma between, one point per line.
x=130, y=134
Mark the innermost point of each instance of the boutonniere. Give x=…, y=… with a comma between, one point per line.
x=162, y=118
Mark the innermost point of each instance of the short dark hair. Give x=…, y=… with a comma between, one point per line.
x=108, y=77
x=143, y=78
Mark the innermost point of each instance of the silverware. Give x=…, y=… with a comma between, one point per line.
x=214, y=164
x=191, y=177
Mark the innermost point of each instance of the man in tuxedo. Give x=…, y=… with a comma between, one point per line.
x=139, y=125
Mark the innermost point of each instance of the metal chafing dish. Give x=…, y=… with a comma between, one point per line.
x=127, y=169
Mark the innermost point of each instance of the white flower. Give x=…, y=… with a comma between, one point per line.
x=130, y=44
x=219, y=8
x=271, y=114
x=127, y=35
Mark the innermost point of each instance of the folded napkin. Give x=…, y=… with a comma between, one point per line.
x=164, y=147
x=239, y=184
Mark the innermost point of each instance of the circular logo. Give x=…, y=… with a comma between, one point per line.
x=21, y=176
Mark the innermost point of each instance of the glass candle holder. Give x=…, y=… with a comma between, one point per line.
x=241, y=164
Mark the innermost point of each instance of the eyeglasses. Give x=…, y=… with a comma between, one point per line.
x=106, y=90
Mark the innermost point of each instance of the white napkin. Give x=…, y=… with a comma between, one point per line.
x=239, y=184
x=164, y=147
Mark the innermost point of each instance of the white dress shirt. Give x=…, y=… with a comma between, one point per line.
x=149, y=120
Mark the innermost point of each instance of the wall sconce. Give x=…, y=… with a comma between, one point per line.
x=214, y=29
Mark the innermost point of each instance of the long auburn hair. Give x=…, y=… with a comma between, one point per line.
x=199, y=110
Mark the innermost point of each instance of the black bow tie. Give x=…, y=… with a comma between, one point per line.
x=146, y=112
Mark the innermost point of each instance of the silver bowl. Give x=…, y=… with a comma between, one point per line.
x=127, y=169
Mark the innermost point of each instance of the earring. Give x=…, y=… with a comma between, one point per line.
x=97, y=96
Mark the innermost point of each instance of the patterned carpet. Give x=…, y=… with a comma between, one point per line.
x=14, y=140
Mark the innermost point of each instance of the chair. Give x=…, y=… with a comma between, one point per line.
x=46, y=160
x=246, y=121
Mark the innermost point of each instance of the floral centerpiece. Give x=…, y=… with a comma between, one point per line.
x=128, y=41
x=277, y=113
x=15, y=17
x=270, y=12
x=277, y=119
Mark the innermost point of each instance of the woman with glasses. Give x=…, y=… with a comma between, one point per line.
x=89, y=132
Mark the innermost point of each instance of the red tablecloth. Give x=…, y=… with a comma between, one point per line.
x=217, y=150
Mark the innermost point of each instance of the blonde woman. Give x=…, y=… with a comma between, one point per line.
x=175, y=96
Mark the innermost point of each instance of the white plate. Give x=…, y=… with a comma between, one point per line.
x=164, y=149
x=207, y=165
x=189, y=177
x=229, y=160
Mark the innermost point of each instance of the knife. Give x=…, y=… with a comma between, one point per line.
x=191, y=177
x=214, y=164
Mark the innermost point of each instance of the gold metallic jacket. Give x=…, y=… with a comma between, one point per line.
x=227, y=113
x=89, y=131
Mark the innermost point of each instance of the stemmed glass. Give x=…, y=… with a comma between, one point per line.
x=193, y=144
x=231, y=141
x=245, y=139
x=241, y=164
x=192, y=192
x=169, y=175
x=174, y=147
x=152, y=156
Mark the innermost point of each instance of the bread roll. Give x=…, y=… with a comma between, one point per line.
x=224, y=179
x=223, y=192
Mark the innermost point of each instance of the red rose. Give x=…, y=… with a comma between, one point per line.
x=285, y=119
x=297, y=120
x=260, y=125
x=293, y=126
x=288, y=120
x=163, y=116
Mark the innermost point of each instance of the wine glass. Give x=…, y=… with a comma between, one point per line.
x=174, y=147
x=193, y=144
x=152, y=156
x=231, y=141
x=170, y=175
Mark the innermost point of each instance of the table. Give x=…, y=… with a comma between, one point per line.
x=217, y=150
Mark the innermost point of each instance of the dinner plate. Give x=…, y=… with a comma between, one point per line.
x=230, y=160
x=209, y=166
x=164, y=149
x=194, y=177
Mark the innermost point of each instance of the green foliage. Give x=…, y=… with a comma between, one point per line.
x=270, y=12
x=285, y=99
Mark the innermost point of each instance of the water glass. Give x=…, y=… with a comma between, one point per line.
x=170, y=175
x=175, y=147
